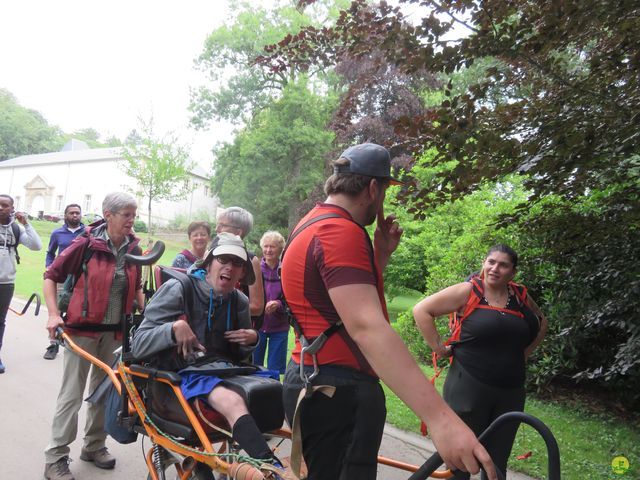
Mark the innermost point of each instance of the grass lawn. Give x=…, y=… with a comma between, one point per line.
x=29, y=277
x=402, y=303
x=588, y=441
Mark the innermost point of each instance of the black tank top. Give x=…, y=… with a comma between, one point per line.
x=492, y=343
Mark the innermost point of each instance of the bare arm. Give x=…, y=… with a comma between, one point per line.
x=256, y=291
x=49, y=289
x=451, y=299
x=360, y=310
x=30, y=239
x=544, y=325
x=140, y=299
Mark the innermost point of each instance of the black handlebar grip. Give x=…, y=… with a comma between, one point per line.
x=150, y=258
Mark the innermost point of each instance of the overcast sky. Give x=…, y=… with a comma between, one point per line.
x=103, y=64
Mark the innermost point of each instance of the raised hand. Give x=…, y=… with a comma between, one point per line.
x=386, y=237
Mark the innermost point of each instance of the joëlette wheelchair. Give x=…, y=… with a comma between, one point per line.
x=189, y=440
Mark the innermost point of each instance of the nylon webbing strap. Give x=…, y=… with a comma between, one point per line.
x=296, y=433
x=95, y=327
x=311, y=345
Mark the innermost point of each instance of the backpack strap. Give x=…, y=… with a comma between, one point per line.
x=309, y=346
x=15, y=229
x=185, y=282
x=456, y=318
x=86, y=256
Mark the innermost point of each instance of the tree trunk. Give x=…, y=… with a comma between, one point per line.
x=149, y=226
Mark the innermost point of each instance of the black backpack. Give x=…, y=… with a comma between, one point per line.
x=64, y=297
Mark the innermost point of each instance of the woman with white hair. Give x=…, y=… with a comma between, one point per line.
x=274, y=330
x=105, y=290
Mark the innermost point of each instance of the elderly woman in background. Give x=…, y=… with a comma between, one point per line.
x=199, y=236
x=101, y=297
x=239, y=221
x=500, y=326
x=274, y=330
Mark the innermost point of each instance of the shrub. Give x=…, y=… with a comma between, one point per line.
x=140, y=227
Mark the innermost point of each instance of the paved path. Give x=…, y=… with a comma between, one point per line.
x=28, y=392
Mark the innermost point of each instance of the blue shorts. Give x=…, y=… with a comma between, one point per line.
x=199, y=385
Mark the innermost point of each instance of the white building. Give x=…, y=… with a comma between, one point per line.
x=45, y=183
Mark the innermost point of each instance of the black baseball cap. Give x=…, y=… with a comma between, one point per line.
x=367, y=159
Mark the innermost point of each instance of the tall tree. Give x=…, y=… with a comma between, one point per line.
x=239, y=87
x=24, y=131
x=568, y=72
x=278, y=159
x=160, y=166
x=554, y=94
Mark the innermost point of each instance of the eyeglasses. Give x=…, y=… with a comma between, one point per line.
x=235, y=261
x=127, y=216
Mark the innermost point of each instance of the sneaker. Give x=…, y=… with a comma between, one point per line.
x=58, y=470
x=1, y=367
x=51, y=352
x=101, y=458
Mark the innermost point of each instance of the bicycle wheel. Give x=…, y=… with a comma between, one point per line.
x=201, y=472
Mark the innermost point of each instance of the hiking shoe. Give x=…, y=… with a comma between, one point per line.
x=1, y=367
x=101, y=458
x=51, y=352
x=58, y=470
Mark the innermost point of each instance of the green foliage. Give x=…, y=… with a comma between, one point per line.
x=546, y=88
x=140, y=227
x=159, y=166
x=24, y=131
x=239, y=86
x=181, y=220
x=590, y=286
x=92, y=137
x=277, y=160
x=451, y=240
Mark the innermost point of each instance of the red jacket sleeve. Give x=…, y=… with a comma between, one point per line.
x=69, y=261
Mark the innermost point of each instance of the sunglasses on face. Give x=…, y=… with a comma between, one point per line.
x=235, y=261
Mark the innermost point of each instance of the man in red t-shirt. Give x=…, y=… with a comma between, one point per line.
x=332, y=274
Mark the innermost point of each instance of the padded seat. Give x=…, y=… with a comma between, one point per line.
x=263, y=397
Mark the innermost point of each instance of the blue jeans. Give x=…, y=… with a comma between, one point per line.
x=277, y=357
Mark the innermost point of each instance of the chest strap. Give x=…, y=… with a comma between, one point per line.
x=310, y=346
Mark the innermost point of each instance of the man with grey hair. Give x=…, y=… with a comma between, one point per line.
x=104, y=292
x=238, y=221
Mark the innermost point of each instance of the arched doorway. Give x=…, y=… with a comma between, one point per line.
x=37, y=206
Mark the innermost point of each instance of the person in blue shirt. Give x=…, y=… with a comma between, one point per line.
x=60, y=239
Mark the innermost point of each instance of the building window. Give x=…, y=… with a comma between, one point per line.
x=206, y=190
x=58, y=203
x=87, y=203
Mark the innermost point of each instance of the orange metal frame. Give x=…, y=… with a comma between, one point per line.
x=206, y=453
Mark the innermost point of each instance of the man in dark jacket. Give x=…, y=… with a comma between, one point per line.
x=60, y=239
x=220, y=327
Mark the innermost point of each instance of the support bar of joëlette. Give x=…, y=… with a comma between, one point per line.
x=553, y=453
x=34, y=296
